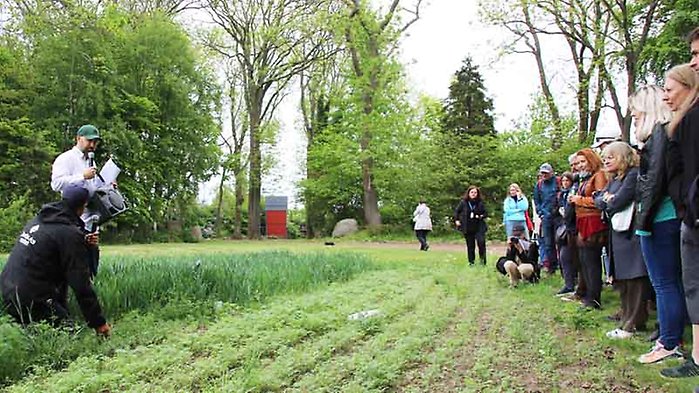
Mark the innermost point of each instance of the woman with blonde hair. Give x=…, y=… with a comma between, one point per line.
x=656, y=221
x=514, y=208
x=682, y=96
x=592, y=232
x=626, y=267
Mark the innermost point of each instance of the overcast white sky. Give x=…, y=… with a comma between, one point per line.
x=432, y=50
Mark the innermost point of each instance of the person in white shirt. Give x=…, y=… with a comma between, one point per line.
x=423, y=224
x=76, y=166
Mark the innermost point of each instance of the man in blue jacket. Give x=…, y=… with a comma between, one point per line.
x=546, y=201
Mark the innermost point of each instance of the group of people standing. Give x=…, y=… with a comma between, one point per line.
x=639, y=204
x=633, y=210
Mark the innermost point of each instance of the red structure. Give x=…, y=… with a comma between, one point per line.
x=275, y=210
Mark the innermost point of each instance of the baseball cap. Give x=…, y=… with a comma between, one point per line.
x=75, y=196
x=89, y=132
x=546, y=168
x=599, y=141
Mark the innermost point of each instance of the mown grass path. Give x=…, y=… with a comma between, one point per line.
x=443, y=327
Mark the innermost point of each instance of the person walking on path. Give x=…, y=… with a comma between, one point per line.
x=423, y=224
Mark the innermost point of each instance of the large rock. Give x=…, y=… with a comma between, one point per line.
x=345, y=227
x=196, y=233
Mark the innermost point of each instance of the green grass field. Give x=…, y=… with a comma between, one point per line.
x=442, y=327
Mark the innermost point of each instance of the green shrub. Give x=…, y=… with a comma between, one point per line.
x=14, y=350
x=12, y=220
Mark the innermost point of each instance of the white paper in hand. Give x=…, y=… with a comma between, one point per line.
x=109, y=172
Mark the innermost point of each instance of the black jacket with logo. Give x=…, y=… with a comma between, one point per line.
x=50, y=253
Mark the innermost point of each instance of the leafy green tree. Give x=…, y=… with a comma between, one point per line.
x=272, y=41
x=25, y=152
x=669, y=47
x=141, y=81
x=467, y=109
x=467, y=141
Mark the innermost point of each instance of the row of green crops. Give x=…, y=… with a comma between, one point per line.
x=127, y=284
x=149, y=297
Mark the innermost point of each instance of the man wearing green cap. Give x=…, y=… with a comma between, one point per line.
x=76, y=167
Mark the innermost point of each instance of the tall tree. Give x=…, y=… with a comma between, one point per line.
x=467, y=142
x=318, y=85
x=604, y=36
x=632, y=24
x=169, y=7
x=669, y=47
x=521, y=19
x=370, y=39
x=235, y=161
x=138, y=78
x=268, y=39
x=467, y=109
x=25, y=153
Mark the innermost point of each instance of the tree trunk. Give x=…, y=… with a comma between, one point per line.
x=543, y=81
x=255, y=183
x=239, y=198
x=219, y=205
x=372, y=215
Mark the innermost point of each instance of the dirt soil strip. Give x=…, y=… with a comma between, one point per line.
x=449, y=378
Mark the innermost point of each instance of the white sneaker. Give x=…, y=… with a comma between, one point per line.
x=620, y=334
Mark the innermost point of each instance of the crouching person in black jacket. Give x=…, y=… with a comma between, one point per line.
x=51, y=255
x=521, y=260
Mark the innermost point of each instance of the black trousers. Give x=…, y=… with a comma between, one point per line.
x=591, y=268
x=93, y=259
x=473, y=239
x=421, y=235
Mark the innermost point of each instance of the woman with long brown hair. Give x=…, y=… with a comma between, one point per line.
x=469, y=217
x=592, y=232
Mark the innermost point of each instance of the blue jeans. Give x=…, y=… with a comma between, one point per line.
x=661, y=252
x=511, y=224
x=547, y=244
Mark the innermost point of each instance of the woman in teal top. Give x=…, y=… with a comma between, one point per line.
x=514, y=207
x=656, y=222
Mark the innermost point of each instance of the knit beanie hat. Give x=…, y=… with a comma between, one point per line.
x=75, y=196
